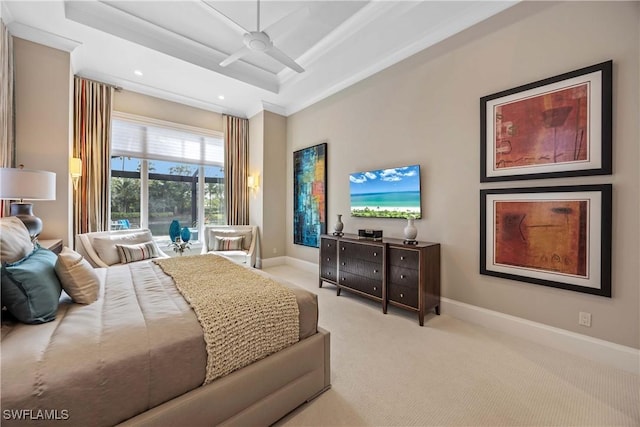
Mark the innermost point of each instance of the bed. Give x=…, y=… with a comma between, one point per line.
x=137, y=357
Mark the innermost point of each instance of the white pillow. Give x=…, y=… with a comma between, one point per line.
x=77, y=277
x=139, y=252
x=15, y=242
x=246, y=242
x=106, y=249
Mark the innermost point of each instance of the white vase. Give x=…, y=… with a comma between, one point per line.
x=339, y=225
x=410, y=231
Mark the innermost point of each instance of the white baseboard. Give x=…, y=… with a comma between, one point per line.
x=616, y=355
x=294, y=262
x=272, y=262
x=311, y=267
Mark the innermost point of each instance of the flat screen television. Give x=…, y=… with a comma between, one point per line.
x=386, y=193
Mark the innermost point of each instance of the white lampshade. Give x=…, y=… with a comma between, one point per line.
x=26, y=184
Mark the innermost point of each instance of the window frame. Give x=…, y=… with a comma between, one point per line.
x=145, y=176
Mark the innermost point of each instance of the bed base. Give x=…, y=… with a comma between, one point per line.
x=259, y=394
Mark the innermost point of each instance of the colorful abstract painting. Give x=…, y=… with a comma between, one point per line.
x=310, y=195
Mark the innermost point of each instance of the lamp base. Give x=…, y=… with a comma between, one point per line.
x=24, y=212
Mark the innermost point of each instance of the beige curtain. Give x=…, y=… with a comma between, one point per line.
x=236, y=152
x=7, y=140
x=92, y=144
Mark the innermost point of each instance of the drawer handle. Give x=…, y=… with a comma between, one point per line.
x=328, y=259
x=402, y=276
x=343, y=263
x=402, y=258
x=375, y=271
x=401, y=295
x=328, y=273
x=375, y=289
x=342, y=248
x=342, y=278
x=375, y=254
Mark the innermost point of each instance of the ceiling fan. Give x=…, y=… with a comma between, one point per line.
x=260, y=41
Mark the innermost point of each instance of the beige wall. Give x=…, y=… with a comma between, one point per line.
x=256, y=167
x=274, y=183
x=44, y=129
x=267, y=154
x=426, y=110
x=148, y=106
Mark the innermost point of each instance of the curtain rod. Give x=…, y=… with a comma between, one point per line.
x=115, y=87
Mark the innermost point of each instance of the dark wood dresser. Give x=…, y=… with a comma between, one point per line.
x=388, y=271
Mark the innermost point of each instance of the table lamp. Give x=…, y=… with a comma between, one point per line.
x=25, y=184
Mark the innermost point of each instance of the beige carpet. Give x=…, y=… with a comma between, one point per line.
x=386, y=370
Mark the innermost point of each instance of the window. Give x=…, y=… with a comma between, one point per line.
x=162, y=171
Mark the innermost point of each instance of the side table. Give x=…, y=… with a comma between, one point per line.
x=54, y=245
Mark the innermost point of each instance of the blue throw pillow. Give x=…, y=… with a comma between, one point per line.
x=30, y=287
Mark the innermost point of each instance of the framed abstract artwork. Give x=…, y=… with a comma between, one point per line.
x=551, y=236
x=556, y=127
x=310, y=195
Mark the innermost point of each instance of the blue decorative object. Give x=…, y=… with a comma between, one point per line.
x=185, y=234
x=174, y=230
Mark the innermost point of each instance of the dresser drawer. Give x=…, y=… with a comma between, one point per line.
x=329, y=273
x=404, y=258
x=371, y=253
x=327, y=248
x=370, y=270
x=403, y=294
x=362, y=284
x=403, y=276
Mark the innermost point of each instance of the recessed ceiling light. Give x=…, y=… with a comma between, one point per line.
x=137, y=73
x=220, y=96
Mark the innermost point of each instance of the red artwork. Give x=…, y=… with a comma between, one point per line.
x=544, y=129
x=548, y=235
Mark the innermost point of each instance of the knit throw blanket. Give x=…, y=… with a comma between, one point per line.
x=245, y=316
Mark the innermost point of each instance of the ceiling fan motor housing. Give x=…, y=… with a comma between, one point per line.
x=258, y=41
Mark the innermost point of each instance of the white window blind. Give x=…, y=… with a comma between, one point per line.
x=155, y=140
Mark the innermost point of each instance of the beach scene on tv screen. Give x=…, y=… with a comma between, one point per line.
x=386, y=193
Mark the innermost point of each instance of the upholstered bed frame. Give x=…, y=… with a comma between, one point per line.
x=259, y=394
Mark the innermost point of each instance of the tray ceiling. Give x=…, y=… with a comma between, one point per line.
x=178, y=45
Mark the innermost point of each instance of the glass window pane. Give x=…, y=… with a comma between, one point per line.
x=172, y=195
x=125, y=193
x=214, y=207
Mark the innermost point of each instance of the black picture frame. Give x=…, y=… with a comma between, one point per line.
x=551, y=236
x=556, y=127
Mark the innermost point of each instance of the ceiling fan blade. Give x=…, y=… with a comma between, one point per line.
x=235, y=56
x=282, y=57
x=287, y=23
x=230, y=22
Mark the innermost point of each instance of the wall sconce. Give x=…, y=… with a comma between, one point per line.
x=252, y=182
x=75, y=170
x=24, y=184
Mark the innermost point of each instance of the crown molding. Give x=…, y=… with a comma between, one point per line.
x=138, y=87
x=45, y=38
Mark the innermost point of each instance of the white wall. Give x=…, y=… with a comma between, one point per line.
x=426, y=110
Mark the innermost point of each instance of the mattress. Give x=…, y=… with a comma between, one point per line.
x=136, y=347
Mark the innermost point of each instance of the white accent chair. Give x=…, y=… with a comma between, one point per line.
x=99, y=247
x=250, y=247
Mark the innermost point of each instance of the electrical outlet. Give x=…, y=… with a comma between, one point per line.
x=584, y=319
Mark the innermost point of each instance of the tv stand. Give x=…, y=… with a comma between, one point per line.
x=387, y=271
